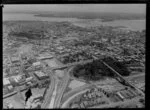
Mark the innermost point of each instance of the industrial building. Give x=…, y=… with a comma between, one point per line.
x=40, y=75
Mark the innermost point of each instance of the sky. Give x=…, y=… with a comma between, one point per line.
x=125, y=8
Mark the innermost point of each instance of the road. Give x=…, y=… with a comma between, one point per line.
x=51, y=105
x=61, y=90
x=75, y=91
x=60, y=93
x=53, y=97
x=71, y=97
x=56, y=100
x=48, y=93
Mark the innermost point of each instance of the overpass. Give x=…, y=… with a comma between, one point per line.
x=51, y=87
x=120, y=78
x=123, y=80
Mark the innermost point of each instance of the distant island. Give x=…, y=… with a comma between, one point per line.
x=105, y=17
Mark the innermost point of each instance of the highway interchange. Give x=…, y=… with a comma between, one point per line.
x=54, y=95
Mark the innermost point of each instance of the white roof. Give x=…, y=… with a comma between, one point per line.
x=10, y=105
x=36, y=63
x=39, y=73
x=15, y=58
x=10, y=87
x=45, y=55
x=28, y=79
x=6, y=81
x=17, y=78
x=60, y=48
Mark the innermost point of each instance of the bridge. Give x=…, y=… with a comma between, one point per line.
x=120, y=78
x=49, y=93
x=123, y=80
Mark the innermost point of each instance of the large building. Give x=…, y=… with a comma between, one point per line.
x=7, y=87
x=44, y=56
x=37, y=65
x=40, y=75
x=6, y=81
x=15, y=59
x=17, y=80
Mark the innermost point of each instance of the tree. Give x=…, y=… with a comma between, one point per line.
x=118, y=66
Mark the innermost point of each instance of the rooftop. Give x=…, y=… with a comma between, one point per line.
x=17, y=78
x=14, y=58
x=44, y=55
x=40, y=73
x=6, y=81
x=36, y=63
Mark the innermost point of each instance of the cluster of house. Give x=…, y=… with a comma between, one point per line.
x=36, y=70
x=24, y=75
x=92, y=97
x=10, y=83
x=76, y=57
x=99, y=96
x=127, y=94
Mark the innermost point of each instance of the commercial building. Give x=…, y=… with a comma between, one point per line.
x=7, y=87
x=120, y=95
x=10, y=88
x=15, y=59
x=6, y=82
x=37, y=65
x=29, y=78
x=44, y=56
x=17, y=80
x=40, y=75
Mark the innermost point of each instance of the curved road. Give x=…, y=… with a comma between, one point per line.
x=78, y=90
x=69, y=99
x=55, y=101
x=61, y=90
x=51, y=105
x=48, y=93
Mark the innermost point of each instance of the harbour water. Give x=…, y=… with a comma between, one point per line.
x=136, y=25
